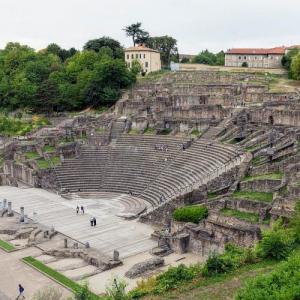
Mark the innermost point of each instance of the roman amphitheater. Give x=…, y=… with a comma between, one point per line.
x=226, y=140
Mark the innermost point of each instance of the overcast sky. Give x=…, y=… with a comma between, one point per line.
x=196, y=24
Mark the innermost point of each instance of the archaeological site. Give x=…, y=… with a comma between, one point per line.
x=183, y=165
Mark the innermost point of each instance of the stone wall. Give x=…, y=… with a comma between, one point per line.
x=262, y=185
x=290, y=117
x=241, y=205
x=20, y=172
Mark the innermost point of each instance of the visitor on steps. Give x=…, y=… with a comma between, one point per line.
x=92, y=221
x=21, y=292
x=77, y=209
x=82, y=209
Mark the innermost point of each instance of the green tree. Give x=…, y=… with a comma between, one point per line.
x=105, y=43
x=208, y=58
x=295, y=67
x=137, y=34
x=167, y=46
x=205, y=57
x=287, y=58
x=63, y=54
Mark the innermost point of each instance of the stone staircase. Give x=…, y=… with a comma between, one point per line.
x=118, y=127
x=215, y=131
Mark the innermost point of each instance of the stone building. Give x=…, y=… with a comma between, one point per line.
x=254, y=58
x=148, y=58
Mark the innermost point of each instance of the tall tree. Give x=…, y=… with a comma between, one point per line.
x=137, y=34
x=104, y=43
x=167, y=46
x=63, y=54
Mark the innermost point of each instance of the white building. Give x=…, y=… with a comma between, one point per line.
x=254, y=58
x=148, y=58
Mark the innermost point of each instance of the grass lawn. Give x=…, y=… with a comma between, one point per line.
x=65, y=281
x=196, y=133
x=245, y=216
x=44, y=164
x=257, y=160
x=32, y=155
x=218, y=287
x=264, y=176
x=255, y=196
x=149, y=130
x=134, y=132
x=211, y=195
x=48, y=148
x=6, y=246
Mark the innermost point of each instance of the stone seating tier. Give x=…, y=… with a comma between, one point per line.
x=132, y=164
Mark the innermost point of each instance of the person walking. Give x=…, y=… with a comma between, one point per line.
x=92, y=221
x=77, y=209
x=21, y=292
x=95, y=221
x=82, y=209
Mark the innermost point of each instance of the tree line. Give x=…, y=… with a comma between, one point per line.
x=56, y=79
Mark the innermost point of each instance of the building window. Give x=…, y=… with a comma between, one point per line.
x=240, y=57
x=140, y=55
x=245, y=57
x=144, y=55
x=136, y=56
x=132, y=56
x=146, y=64
x=127, y=56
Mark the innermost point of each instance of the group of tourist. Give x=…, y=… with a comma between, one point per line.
x=163, y=148
x=81, y=210
x=93, y=220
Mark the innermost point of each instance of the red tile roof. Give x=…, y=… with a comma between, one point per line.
x=140, y=48
x=257, y=51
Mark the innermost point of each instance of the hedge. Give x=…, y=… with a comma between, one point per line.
x=192, y=214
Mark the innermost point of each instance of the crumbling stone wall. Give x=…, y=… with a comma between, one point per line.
x=262, y=185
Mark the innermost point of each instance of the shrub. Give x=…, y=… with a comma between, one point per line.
x=48, y=294
x=282, y=283
x=116, y=290
x=192, y=214
x=143, y=288
x=175, y=276
x=277, y=243
x=83, y=293
x=232, y=258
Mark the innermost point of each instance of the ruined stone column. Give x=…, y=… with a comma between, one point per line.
x=9, y=209
x=116, y=255
x=22, y=216
x=34, y=217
